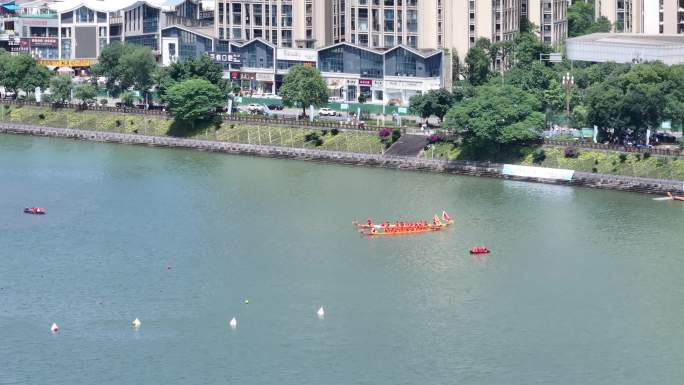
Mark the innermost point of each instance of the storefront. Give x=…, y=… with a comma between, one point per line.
x=400, y=91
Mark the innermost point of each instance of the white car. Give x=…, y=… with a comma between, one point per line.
x=255, y=108
x=327, y=112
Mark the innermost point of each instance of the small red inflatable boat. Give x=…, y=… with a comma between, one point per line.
x=34, y=210
x=479, y=250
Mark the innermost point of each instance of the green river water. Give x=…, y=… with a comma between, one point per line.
x=582, y=287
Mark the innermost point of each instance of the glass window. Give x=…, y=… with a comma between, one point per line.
x=85, y=15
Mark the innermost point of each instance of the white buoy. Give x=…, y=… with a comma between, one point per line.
x=136, y=323
x=233, y=323
x=54, y=328
x=321, y=312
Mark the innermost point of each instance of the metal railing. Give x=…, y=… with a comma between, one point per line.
x=614, y=147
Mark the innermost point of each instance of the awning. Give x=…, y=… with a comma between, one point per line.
x=65, y=69
x=10, y=7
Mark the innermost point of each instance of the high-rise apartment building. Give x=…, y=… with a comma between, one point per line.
x=284, y=23
x=549, y=18
x=643, y=16
x=430, y=24
x=421, y=24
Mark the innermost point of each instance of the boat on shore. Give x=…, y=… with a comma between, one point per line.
x=675, y=197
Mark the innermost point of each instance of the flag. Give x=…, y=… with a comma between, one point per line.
x=445, y=216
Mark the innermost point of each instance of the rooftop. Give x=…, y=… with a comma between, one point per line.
x=630, y=39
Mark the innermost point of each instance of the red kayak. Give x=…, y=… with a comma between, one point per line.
x=34, y=210
x=479, y=250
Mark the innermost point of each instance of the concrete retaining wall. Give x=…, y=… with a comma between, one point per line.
x=611, y=182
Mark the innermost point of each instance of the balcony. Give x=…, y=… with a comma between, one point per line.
x=115, y=20
x=185, y=22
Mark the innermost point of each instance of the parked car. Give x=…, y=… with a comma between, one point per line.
x=327, y=112
x=276, y=107
x=255, y=108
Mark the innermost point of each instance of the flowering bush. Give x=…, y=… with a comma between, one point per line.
x=385, y=132
x=434, y=138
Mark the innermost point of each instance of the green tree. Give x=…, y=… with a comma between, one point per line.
x=456, y=66
x=194, y=100
x=478, y=66
x=126, y=65
x=86, y=93
x=192, y=68
x=305, y=86
x=627, y=103
x=22, y=72
x=60, y=88
x=434, y=102
x=528, y=48
x=581, y=20
x=498, y=115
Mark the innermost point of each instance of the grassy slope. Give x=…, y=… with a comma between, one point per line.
x=160, y=126
x=606, y=162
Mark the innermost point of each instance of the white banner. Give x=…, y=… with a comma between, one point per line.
x=538, y=172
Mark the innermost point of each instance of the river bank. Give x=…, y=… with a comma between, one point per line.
x=494, y=170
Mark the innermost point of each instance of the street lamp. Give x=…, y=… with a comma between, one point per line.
x=568, y=82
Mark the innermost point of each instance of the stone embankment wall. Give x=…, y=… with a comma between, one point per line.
x=602, y=181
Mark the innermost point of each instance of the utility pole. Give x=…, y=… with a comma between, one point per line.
x=568, y=82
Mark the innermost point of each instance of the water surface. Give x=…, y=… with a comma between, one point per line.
x=583, y=286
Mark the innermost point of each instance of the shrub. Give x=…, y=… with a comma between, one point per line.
x=313, y=138
x=637, y=157
x=570, y=152
x=41, y=116
x=324, y=132
x=539, y=155
x=647, y=155
x=596, y=162
x=385, y=132
x=594, y=170
x=623, y=158
x=396, y=134
x=118, y=123
x=334, y=132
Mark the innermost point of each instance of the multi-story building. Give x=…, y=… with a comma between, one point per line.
x=430, y=24
x=283, y=23
x=549, y=18
x=643, y=16
x=80, y=29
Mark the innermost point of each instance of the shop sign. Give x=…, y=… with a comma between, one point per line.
x=303, y=55
x=378, y=84
x=365, y=82
x=351, y=82
x=403, y=85
x=232, y=58
x=67, y=62
x=22, y=45
x=44, y=42
x=264, y=77
x=247, y=76
x=37, y=22
x=235, y=75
